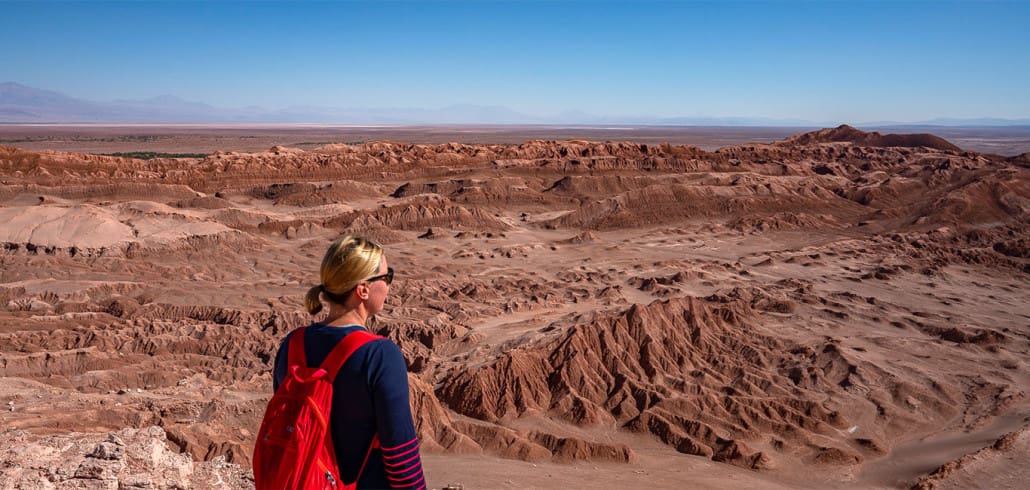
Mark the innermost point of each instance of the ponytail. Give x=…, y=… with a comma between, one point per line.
x=311, y=300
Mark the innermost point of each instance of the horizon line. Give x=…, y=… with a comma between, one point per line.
x=609, y=126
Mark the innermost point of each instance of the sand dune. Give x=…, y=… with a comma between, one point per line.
x=805, y=313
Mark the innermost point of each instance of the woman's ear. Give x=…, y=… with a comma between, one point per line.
x=362, y=291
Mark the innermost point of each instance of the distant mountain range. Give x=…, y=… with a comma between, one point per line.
x=22, y=104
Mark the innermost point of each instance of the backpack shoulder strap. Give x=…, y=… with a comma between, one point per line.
x=295, y=356
x=343, y=350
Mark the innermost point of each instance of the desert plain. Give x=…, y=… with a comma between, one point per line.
x=579, y=308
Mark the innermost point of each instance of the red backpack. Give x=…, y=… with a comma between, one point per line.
x=294, y=448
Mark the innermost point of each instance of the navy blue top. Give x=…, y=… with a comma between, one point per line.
x=370, y=396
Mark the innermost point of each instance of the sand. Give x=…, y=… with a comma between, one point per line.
x=833, y=309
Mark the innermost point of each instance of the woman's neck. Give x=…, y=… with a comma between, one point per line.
x=339, y=316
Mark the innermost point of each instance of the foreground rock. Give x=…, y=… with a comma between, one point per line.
x=126, y=459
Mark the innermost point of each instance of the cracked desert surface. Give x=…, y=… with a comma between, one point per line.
x=831, y=309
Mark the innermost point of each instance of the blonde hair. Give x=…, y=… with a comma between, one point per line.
x=348, y=261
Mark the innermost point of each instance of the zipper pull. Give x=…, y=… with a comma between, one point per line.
x=332, y=481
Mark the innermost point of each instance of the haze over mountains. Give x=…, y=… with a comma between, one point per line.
x=23, y=104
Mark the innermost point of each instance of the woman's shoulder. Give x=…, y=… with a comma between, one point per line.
x=384, y=355
x=386, y=347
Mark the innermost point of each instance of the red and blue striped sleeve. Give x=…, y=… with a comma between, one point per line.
x=404, y=466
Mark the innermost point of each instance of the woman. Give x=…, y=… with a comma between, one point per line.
x=370, y=393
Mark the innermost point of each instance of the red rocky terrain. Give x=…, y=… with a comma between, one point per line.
x=836, y=308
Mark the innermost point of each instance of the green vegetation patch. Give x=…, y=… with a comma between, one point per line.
x=149, y=155
x=320, y=143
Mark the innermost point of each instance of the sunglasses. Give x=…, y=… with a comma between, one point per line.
x=387, y=278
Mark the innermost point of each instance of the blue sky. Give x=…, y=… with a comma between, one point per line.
x=840, y=61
